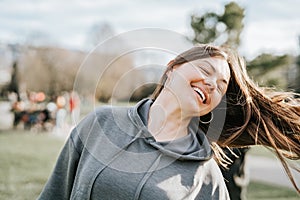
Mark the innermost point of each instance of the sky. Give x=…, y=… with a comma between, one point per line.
x=270, y=26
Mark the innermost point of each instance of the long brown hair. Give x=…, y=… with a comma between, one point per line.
x=254, y=115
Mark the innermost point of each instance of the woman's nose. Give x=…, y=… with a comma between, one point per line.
x=210, y=85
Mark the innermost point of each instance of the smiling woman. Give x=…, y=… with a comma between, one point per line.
x=161, y=148
x=254, y=115
x=193, y=91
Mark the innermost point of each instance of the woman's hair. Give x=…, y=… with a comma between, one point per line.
x=254, y=115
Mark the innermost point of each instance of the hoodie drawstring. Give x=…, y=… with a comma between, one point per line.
x=123, y=149
x=146, y=177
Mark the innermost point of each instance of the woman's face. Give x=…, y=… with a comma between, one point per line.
x=199, y=85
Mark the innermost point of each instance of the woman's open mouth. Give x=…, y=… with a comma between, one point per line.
x=200, y=93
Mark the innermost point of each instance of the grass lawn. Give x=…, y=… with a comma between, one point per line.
x=28, y=158
x=262, y=191
x=26, y=162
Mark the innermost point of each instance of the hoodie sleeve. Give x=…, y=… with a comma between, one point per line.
x=59, y=184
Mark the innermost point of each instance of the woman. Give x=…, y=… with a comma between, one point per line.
x=161, y=148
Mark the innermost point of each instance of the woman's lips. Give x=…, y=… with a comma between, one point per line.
x=200, y=93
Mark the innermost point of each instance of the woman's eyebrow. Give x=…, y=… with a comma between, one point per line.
x=212, y=67
x=214, y=70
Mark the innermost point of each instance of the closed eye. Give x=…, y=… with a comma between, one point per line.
x=221, y=87
x=204, y=70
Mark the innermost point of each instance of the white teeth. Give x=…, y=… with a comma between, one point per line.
x=201, y=94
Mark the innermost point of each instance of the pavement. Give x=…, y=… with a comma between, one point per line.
x=269, y=170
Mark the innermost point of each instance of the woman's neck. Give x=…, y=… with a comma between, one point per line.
x=166, y=121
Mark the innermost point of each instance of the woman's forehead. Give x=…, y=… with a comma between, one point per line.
x=216, y=64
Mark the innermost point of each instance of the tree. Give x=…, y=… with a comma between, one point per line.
x=39, y=38
x=225, y=29
x=50, y=70
x=297, y=80
x=14, y=83
x=221, y=29
x=99, y=32
x=114, y=83
x=270, y=70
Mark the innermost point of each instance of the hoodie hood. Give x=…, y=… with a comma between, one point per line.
x=194, y=146
x=112, y=155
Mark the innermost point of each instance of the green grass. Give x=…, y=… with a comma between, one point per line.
x=26, y=162
x=27, y=159
x=262, y=151
x=264, y=191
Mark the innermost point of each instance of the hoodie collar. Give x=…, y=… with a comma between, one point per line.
x=194, y=146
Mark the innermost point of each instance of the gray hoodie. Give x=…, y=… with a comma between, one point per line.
x=112, y=155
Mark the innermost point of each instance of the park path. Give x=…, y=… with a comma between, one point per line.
x=269, y=170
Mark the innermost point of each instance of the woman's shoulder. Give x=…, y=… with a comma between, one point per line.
x=110, y=110
x=101, y=120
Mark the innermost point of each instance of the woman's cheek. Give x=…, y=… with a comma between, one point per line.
x=216, y=100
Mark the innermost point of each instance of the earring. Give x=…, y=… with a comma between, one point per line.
x=207, y=122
